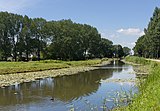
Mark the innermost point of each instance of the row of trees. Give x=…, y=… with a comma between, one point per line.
x=22, y=38
x=148, y=45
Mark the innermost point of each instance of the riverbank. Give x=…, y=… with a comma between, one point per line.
x=33, y=66
x=141, y=66
x=148, y=98
x=69, y=68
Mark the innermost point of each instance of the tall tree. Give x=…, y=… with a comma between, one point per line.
x=106, y=48
x=118, y=51
x=37, y=26
x=127, y=51
x=149, y=44
x=21, y=37
x=5, y=35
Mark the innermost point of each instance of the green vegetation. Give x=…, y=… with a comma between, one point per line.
x=148, y=45
x=24, y=39
x=17, y=67
x=148, y=98
x=119, y=52
x=126, y=51
x=137, y=60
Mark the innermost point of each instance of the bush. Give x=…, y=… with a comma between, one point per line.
x=34, y=58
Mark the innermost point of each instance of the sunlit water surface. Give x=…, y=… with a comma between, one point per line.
x=83, y=91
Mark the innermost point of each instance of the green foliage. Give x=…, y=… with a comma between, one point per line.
x=21, y=37
x=72, y=41
x=149, y=97
x=34, y=58
x=127, y=51
x=106, y=48
x=118, y=51
x=137, y=60
x=148, y=45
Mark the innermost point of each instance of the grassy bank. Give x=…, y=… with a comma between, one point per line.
x=20, y=67
x=148, y=98
x=137, y=60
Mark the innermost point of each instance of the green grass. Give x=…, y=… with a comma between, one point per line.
x=148, y=98
x=137, y=60
x=17, y=67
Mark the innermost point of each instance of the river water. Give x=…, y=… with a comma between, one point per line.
x=83, y=91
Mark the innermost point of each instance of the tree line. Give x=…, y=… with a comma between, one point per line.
x=148, y=45
x=23, y=38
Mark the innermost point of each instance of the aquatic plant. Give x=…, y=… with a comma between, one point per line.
x=148, y=98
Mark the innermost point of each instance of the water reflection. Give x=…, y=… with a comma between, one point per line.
x=64, y=89
x=116, y=66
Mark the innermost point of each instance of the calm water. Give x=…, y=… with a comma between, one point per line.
x=81, y=91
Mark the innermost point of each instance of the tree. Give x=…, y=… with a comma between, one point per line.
x=148, y=44
x=38, y=36
x=106, y=47
x=127, y=51
x=5, y=43
x=72, y=41
x=118, y=51
x=22, y=37
x=139, y=48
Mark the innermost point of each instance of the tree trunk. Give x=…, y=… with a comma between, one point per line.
x=27, y=55
x=15, y=53
x=39, y=47
x=38, y=54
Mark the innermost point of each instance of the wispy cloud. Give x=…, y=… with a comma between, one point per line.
x=131, y=31
x=109, y=35
x=128, y=44
x=15, y=5
x=113, y=36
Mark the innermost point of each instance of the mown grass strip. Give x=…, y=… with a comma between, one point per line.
x=19, y=67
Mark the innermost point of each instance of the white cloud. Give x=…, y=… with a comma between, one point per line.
x=131, y=31
x=15, y=5
x=133, y=43
x=103, y=34
x=128, y=44
x=113, y=36
x=109, y=35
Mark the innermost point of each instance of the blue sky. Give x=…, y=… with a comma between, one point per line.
x=121, y=21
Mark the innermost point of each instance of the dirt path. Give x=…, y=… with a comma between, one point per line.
x=156, y=60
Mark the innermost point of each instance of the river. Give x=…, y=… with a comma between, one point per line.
x=84, y=91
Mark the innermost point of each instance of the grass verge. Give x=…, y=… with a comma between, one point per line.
x=20, y=67
x=148, y=99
